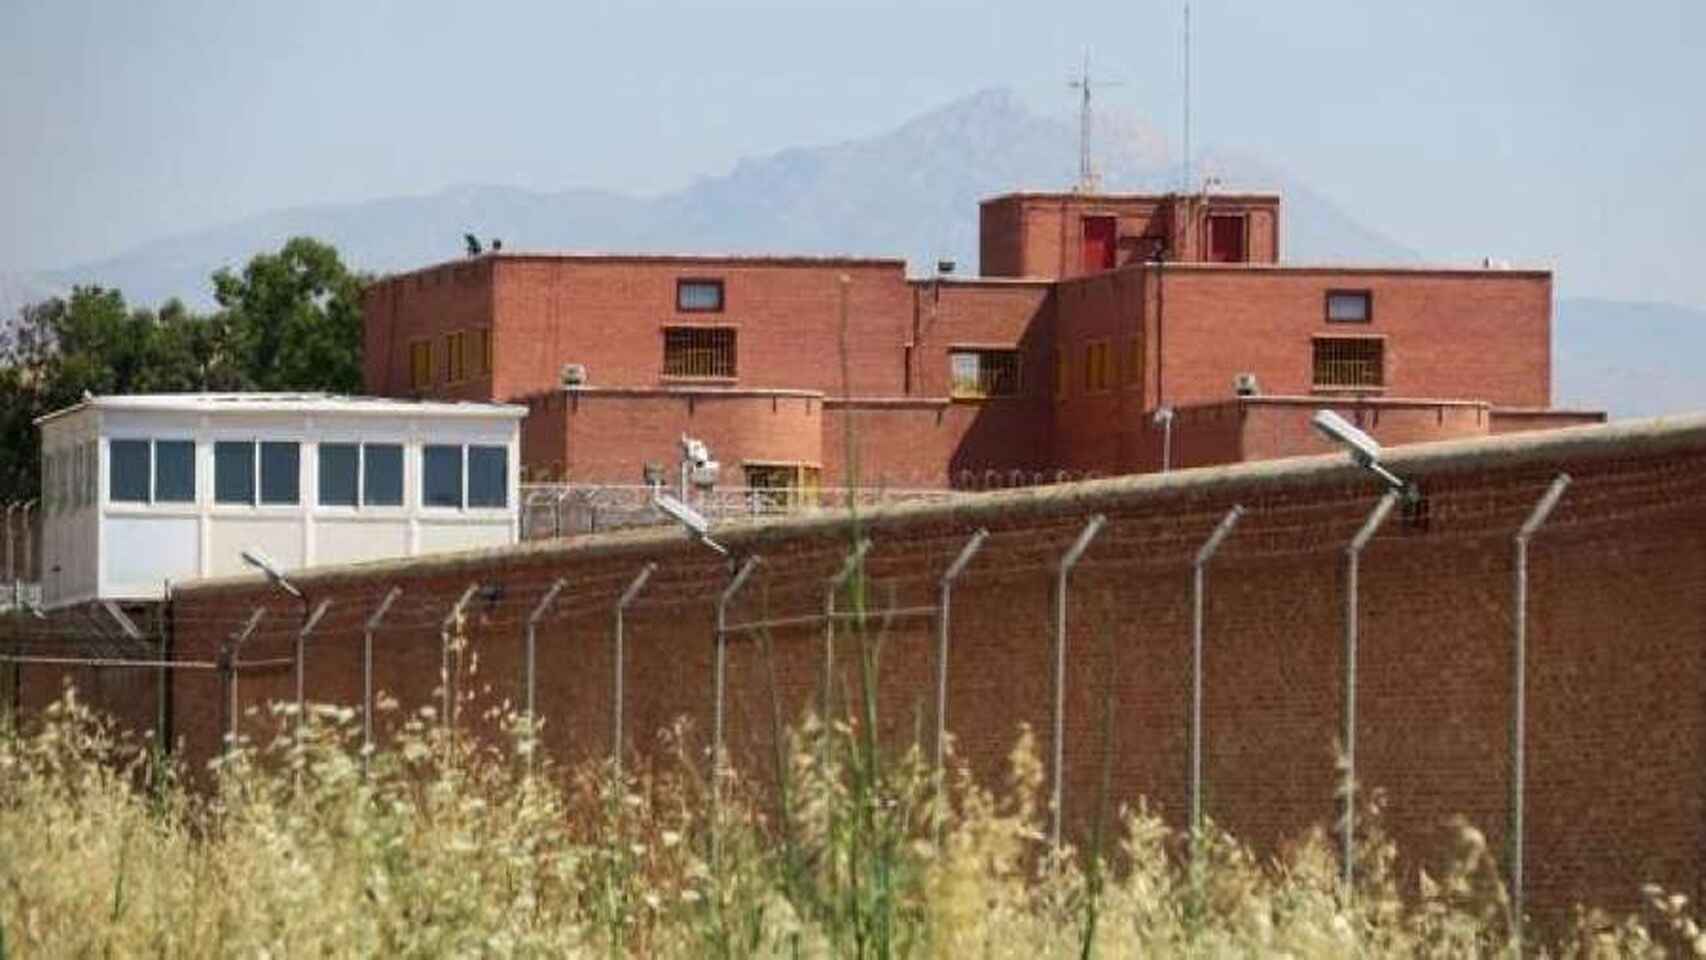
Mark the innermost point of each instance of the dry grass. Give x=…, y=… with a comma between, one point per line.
x=453, y=848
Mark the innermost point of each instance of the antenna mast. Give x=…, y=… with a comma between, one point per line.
x=1186, y=187
x=1089, y=181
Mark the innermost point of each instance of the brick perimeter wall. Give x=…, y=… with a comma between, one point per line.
x=1616, y=731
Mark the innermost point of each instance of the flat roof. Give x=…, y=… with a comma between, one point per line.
x=1129, y=197
x=258, y=402
x=675, y=259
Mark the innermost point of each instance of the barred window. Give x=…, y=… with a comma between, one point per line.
x=983, y=373
x=699, y=352
x=1350, y=362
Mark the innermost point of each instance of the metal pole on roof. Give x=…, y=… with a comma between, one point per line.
x=1067, y=562
x=369, y=628
x=228, y=673
x=1519, y=692
x=301, y=663
x=1199, y=569
x=1353, y=554
x=449, y=623
x=29, y=541
x=720, y=672
x=620, y=656
x=835, y=583
x=943, y=608
x=533, y=619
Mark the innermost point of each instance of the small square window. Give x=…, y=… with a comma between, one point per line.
x=983, y=373
x=130, y=468
x=1350, y=306
x=382, y=475
x=281, y=473
x=441, y=475
x=340, y=466
x=699, y=296
x=488, y=477
x=174, y=471
x=234, y=471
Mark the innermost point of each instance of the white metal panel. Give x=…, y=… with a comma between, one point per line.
x=142, y=552
x=442, y=536
x=351, y=540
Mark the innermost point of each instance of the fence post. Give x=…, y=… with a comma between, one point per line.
x=848, y=565
x=29, y=543
x=301, y=657
x=942, y=623
x=367, y=632
x=738, y=581
x=1519, y=691
x=228, y=669
x=1353, y=553
x=449, y=698
x=11, y=547
x=1067, y=562
x=1198, y=571
x=619, y=655
x=533, y=619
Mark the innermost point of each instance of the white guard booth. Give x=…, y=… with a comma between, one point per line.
x=139, y=491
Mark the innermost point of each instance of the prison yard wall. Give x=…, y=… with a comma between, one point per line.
x=1616, y=732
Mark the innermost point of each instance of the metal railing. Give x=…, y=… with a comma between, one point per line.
x=568, y=509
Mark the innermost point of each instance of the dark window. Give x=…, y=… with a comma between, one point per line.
x=382, y=478
x=281, y=472
x=488, y=477
x=441, y=476
x=234, y=471
x=129, y=480
x=1349, y=306
x=983, y=373
x=174, y=471
x=699, y=296
x=1350, y=362
x=699, y=352
x=1226, y=239
x=340, y=468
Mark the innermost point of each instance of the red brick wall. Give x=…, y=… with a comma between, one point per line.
x=934, y=443
x=1040, y=235
x=610, y=436
x=1101, y=430
x=1471, y=335
x=610, y=314
x=427, y=303
x=1617, y=734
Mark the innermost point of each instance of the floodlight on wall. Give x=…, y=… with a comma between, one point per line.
x=691, y=520
x=1364, y=449
x=264, y=563
x=1163, y=418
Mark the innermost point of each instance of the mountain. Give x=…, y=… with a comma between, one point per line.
x=1633, y=359
x=910, y=192
x=913, y=192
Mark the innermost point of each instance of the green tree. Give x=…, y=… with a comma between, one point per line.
x=295, y=318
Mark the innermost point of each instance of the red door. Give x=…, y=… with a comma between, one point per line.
x=1099, y=246
x=1226, y=240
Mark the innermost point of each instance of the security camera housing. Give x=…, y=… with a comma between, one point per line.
x=1363, y=448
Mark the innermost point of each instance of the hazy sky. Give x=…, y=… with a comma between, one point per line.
x=1560, y=131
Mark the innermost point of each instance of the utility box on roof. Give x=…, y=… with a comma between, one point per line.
x=139, y=491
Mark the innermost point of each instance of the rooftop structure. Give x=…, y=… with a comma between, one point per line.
x=140, y=491
x=1093, y=313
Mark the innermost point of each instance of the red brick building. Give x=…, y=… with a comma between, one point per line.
x=1093, y=312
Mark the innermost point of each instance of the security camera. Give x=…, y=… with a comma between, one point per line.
x=1364, y=449
x=695, y=451
x=695, y=523
x=1163, y=415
